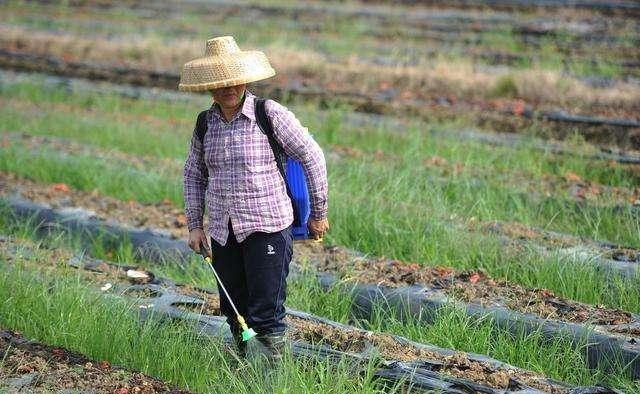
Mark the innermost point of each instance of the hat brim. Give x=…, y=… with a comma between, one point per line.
x=214, y=72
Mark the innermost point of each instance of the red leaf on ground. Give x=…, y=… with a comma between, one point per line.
x=60, y=187
x=444, y=271
x=122, y=390
x=572, y=177
x=57, y=352
x=518, y=107
x=181, y=220
x=546, y=293
x=26, y=368
x=474, y=278
x=68, y=57
x=406, y=95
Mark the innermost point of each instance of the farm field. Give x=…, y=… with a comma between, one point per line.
x=484, y=193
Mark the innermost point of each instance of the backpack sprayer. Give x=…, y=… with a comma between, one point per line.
x=247, y=333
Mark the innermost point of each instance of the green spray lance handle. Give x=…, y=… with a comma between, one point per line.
x=247, y=333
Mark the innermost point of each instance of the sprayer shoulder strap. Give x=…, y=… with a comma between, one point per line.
x=201, y=126
x=200, y=131
x=266, y=126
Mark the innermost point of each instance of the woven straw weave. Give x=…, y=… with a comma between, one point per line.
x=224, y=64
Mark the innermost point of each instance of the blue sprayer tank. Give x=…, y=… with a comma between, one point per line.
x=298, y=185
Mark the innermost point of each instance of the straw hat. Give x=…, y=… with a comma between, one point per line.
x=224, y=64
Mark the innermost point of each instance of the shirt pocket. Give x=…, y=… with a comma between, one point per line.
x=254, y=151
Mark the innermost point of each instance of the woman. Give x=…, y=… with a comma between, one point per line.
x=249, y=211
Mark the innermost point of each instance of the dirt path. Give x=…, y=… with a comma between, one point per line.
x=33, y=367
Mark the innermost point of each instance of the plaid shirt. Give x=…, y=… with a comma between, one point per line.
x=244, y=183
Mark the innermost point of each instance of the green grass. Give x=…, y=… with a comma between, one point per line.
x=393, y=207
x=557, y=359
x=63, y=311
x=87, y=173
x=155, y=127
x=62, y=319
x=396, y=209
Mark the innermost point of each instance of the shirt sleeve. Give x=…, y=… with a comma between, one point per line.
x=298, y=143
x=195, y=178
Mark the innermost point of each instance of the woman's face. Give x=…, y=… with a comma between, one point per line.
x=229, y=97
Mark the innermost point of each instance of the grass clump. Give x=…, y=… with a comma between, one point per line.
x=504, y=86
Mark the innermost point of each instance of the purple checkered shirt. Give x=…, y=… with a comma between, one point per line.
x=244, y=182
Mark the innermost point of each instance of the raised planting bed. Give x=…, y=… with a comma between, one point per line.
x=31, y=367
x=569, y=188
x=621, y=6
x=424, y=367
x=617, y=258
x=575, y=42
x=508, y=116
x=414, y=16
x=612, y=334
x=156, y=245
x=165, y=218
x=147, y=243
x=417, y=292
x=353, y=119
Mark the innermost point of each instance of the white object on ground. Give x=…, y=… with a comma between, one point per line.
x=137, y=274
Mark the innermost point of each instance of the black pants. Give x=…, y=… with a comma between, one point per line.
x=254, y=273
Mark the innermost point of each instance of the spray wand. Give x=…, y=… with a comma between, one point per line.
x=247, y=333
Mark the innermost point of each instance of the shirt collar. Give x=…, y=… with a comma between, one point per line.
x=248, y=107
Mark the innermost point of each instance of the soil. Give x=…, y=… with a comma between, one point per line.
x=211, y=304
x=625, y=254
x=34, y=367
x=208, y=308
x=457, y=365
x=521, y=232
x=141, y=293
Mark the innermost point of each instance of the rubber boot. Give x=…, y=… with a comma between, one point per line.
x=274, y=344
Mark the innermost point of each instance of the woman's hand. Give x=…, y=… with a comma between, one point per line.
x=197, y=237
x=318, y=228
